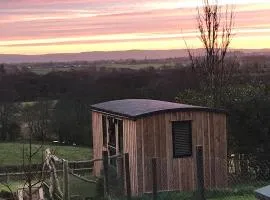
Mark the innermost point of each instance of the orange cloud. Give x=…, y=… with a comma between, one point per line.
x=36, y=26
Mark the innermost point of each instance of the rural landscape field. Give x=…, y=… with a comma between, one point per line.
x=134, y=100
x=54, y=108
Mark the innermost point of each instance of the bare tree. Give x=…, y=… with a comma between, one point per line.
x=36, y=117
x=8, y=113
x=215, y=24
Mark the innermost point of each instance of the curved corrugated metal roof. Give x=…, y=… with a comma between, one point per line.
x=135, y=108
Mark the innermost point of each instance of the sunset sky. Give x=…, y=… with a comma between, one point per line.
x=61, y=26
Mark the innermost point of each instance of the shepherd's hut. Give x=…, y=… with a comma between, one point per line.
x=168, y=131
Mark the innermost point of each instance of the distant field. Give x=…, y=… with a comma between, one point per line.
x=12, y=153
x=46, y=70
x=137, y=66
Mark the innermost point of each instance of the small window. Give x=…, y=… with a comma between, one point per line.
x=182, y=139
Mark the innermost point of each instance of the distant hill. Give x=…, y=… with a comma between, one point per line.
x=93, y=56
x=111, y=55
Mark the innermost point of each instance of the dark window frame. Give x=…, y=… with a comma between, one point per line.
x=120, y=124
x=104, y=131
x=190, y=138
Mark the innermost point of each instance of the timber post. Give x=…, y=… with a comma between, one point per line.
x=127, y=176
x=200, y=173
x=154, y=178
x=106, y=172
x=66, y=194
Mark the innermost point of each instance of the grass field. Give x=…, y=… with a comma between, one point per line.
x=46, y=70
x=191, y=197
x=13, y=186
x=12, y=153
x=84, y=189
x=137, y=65
x=243, y=197
x=220, y=195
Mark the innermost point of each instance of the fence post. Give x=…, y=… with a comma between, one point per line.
x=200, y=173
x=120, y=167
x=7, y=177
x=154, y=177
x=106, y=172
x=127, y=178
x=120, y=172
x=66, y=195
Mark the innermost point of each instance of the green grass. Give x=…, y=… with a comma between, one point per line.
x=82, y=188
x=190, y=196
x=46, y=70
x=237, y=192
x=242, y=197
x=12, y=153
x=13, y=186
x=135, y=65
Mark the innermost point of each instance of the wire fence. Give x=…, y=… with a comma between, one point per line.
x=71, y=182
x=81, y=183
x=113, y=177
x=17, y=184
x=213, y=178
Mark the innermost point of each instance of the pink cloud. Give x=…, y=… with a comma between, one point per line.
x=39, y=19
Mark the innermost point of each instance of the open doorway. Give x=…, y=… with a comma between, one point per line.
x=112, y=136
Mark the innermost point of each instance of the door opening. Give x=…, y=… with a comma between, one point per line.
x=112, y=136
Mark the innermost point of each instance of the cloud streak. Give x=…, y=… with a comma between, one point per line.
x=27, y=25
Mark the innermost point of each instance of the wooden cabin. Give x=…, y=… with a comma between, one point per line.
x=147, y=128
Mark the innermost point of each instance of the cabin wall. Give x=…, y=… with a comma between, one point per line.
x=97, y=141
x=129, y=146
x=154, y=139
x=151, y=136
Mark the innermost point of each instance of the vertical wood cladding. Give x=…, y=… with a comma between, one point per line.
x=151, y=136
x=97, y=133
x=154, y=134
x=130, y=146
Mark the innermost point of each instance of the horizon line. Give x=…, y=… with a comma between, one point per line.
x=148, y=50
